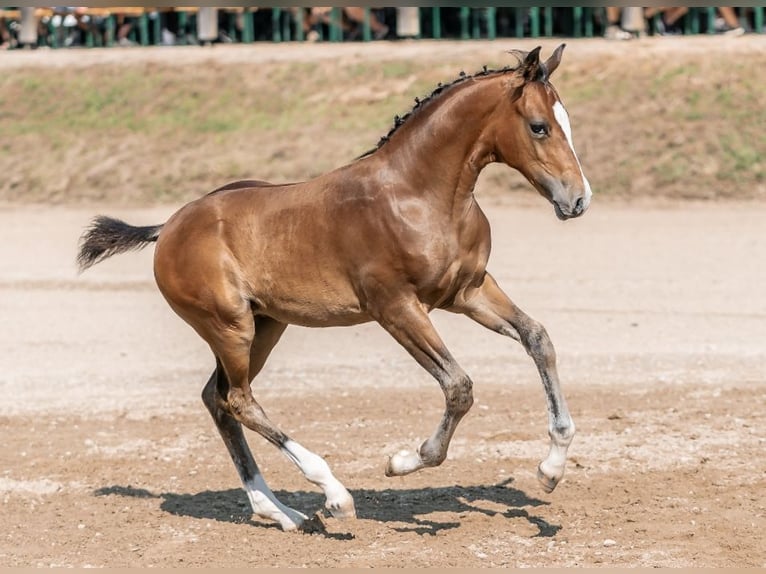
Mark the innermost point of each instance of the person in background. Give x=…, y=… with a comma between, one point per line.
x=352, y=21
x=5, y=34
x=669, y=22
x=171, y=27
x=728, y=23
x=231, y=24
x=614, y=30
x=355, y=14
x=125, y=24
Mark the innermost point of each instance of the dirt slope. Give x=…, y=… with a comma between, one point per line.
x=660, y=117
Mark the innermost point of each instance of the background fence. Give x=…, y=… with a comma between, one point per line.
x=93, y=27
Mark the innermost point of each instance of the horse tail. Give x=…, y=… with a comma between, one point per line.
x=107, y=236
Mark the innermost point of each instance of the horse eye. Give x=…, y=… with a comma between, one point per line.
x=539, y=129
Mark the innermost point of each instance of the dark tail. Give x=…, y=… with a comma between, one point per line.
x=107, y=236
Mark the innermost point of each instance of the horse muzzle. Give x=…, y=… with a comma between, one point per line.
x=568, y=210
x=569, y=200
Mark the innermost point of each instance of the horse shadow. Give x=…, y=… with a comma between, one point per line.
x=414, y=508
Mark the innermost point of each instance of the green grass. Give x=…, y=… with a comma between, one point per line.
x=398, y=68
x=668, y=79
x=136, y=102
x=742, y=159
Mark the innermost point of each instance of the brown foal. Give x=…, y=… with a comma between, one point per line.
x=387, y=238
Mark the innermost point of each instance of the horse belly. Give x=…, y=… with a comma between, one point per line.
x=306, y=301
x=312, y=313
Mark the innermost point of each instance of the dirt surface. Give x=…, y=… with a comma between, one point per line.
x=657, y=312
x=658, y=316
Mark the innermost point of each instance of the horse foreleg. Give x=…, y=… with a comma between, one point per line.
x=408, y=322
x=490, y=306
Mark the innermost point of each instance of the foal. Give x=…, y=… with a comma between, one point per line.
x=246, y=260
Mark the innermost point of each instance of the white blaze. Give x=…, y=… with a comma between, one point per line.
x=563, y=119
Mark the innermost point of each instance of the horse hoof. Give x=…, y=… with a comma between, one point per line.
x=342, y=509
x=313, y=525
x=403, y=462
x=547, y=482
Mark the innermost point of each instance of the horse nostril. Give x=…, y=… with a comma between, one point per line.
x=578, y=205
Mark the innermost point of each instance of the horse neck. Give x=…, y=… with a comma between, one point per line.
x=441, y=150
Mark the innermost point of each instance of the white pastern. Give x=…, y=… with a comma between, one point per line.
x=316, y=470
x=404, y=462
x=551, y=470
x=266, y=505
x=562, y=117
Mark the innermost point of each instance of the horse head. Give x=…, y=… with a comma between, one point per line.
x=533, y=135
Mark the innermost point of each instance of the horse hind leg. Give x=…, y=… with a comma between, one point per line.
x=262, y=499
x=316, y=470
x=239, y=403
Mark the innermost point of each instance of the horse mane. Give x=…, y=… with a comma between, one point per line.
x=420, y=103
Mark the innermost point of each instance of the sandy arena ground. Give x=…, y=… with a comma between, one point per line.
x=657, y=311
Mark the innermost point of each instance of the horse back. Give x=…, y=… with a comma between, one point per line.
x=243, y=184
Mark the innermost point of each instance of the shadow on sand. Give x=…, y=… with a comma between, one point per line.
x=412, y=507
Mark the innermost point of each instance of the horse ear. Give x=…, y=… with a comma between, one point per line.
x=553, y=62
x=530, y=67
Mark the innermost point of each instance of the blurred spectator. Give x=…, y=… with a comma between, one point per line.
x=633, y=20
x=669, y=21
x=356, y=15
x=77, y=25
x=5, y=34
x=73, y=21
x=231, y=24
x=351, y=23
x=207, y=25
x=614, y=29
x=170, y=27
x=29, y=28
x=728, y=23
x=124, y=24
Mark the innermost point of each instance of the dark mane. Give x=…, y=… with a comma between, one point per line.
x=420, y=103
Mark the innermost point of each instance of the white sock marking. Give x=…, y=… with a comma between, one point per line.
x=312, y=465
x=266, y=505
x=316, y=470
x=554, y=463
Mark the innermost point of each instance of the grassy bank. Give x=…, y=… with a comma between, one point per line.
x=690, y=125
